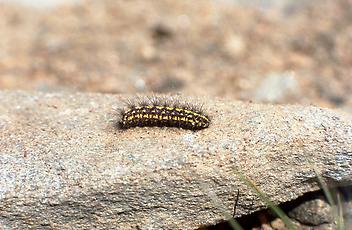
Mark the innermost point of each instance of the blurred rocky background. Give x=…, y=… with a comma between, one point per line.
x=262, y=51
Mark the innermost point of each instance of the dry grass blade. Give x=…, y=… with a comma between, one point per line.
x=216, y=201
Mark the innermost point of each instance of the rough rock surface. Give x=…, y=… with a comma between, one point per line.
x=63, y=163
x=314, y=212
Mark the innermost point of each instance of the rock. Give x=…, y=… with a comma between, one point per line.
x=313, y=212
x=278, y=224
x=276, y=87
x=63, y=163
x=234, y=45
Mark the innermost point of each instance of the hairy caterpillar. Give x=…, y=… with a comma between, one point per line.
x=163, y=112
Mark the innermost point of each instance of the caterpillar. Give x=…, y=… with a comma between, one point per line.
x=163, y=112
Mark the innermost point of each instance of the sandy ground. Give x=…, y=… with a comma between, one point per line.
x=297, y=54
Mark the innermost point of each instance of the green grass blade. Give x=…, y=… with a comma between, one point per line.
x=340, y=220
x=336, y=208
x=325, y=188
x=268, y=202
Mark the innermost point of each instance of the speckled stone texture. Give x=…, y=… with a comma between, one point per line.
x=63, y=164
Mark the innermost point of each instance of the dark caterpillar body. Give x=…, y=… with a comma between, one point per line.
x=158, y=113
